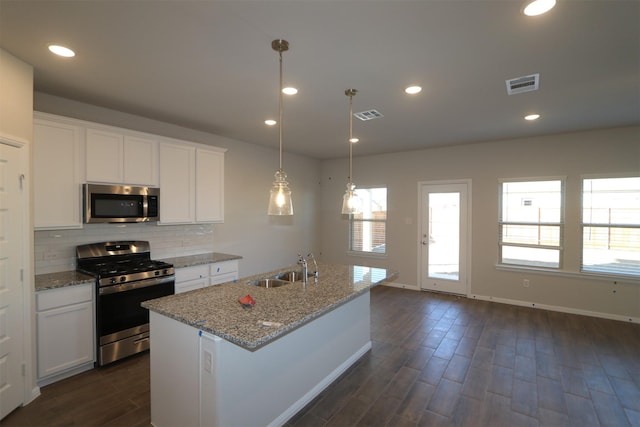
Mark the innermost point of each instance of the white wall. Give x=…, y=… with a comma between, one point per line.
x=16, y=98
x=267, y=243
x=264, y=242
x=569, y=155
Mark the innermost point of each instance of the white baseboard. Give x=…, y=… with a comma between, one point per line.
x=35, y=392
x=557, y=308
x=402, y=286
x=315, y=391
x=65, y=374
x=521, y=303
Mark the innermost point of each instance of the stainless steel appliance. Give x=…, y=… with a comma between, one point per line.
x=120, y=203
x=125, y=277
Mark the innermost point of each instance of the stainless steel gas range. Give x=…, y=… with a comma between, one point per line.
x=125, y=277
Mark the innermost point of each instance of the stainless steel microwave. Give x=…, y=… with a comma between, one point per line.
x=120, y=203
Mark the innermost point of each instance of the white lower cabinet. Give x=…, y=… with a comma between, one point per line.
x=222, y=272
x=66, y=337
x=190, y=278
x=201, y=276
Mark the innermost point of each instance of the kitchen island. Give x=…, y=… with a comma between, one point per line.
x=216, y=363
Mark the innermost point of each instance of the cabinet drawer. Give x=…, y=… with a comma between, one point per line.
x=191, y=273
x=224, y=267
x=223, y=278
x=53, y=298
x=190, y=285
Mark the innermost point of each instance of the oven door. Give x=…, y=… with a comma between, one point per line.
x=122, y=324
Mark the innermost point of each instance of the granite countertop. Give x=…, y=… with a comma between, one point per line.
x=72, y=278
x=216, y=309
x=62, y=279
x=208, y=258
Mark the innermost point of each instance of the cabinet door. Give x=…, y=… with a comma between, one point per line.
x=140, y=161
x=209, y=186
x=104, y=156
x=65, y=338
x=177, y=183
x=57, y=164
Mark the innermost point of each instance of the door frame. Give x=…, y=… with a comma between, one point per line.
x=29, y=356
x=467, y=264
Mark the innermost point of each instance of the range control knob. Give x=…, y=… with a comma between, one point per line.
x=123, y=278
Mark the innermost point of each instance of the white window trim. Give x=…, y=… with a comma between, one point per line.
x=582, y=273
x=561, y=224
x=368, y=254
x=570, y=274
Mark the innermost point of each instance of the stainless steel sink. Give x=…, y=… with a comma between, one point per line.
x=290, y=276
x=269, y=282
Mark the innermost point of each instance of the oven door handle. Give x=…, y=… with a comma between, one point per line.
x=135, y=285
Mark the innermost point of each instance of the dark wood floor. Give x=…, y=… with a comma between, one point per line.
x=436, y=360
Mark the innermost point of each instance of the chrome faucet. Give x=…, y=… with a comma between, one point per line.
x=303, y=263
x=315, y=265
x=305, y=267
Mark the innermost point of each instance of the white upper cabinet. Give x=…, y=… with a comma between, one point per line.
x=57, y=166
x=191, y=183
x=140, y=161
x=69, y=152
x=114, y=157
x=209, y=185
x=104, y=156
x=177, y=183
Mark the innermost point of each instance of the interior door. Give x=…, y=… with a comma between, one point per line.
x=11, y=304
x=444, y=236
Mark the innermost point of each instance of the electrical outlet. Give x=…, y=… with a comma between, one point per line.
x=525, y=283
x=208, y=362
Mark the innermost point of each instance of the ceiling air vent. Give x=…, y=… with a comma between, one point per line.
x=368, y=115
x=523, y=84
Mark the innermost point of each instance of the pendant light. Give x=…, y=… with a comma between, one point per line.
x=351, y=203
x=280, y=196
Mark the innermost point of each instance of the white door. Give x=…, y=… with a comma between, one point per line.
x=11, y=304
x=444, y=236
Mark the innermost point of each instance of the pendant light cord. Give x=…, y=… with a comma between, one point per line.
x=350, y=136
x=280, y=109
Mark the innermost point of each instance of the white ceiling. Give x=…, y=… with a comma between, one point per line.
x=209, y=65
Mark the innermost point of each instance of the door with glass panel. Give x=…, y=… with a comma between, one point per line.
x=444, y=236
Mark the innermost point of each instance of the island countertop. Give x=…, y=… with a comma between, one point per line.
x=216, y=309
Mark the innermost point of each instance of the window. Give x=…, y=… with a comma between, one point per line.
x=611, y=226
x=531, y=222
x=368, y=230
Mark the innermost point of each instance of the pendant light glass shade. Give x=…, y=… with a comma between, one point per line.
x=351, y=203
x=280, y=202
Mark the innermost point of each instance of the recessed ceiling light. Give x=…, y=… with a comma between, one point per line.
x=270, y=122
x=354, y=140
x=289, y=90
x=538, y=7
x=412, y=90
x=61, y=51
x=532, y=117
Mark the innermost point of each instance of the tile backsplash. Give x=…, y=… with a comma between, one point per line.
x=55, y=250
